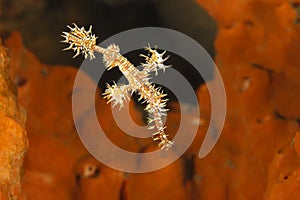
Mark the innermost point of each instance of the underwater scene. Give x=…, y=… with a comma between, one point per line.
x=149, y=99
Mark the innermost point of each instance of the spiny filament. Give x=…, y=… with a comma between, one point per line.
x=82, y=41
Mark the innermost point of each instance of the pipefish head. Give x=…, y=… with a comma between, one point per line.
x=81, y=41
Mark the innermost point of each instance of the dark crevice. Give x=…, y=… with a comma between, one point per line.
x=143, y=149
x=229, y=26
x=259, y=121
x=77, y=178
x=297, y=20
x=280, y=116
x=279, y=151
x=123, y=194
x=285, y=177
x=269, y=71
x=249, y=23
x=296, y=6
x=283, y=117
x=20, y=81
x=189, y=168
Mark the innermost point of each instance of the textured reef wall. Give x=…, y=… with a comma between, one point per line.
x=258, y=55
x=13, y=140
x=257, y=156
x=56, y=163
